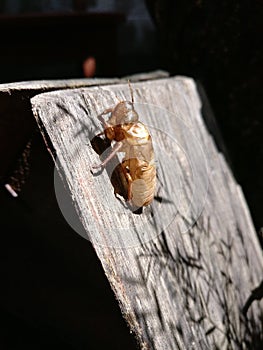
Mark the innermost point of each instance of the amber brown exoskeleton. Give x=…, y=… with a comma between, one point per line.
x=133, y=138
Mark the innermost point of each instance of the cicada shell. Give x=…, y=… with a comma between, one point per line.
x=131, y=137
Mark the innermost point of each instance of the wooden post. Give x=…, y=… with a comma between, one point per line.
x=183, y=268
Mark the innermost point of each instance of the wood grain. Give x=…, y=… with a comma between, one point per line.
x=183, y=268
x=16, y=121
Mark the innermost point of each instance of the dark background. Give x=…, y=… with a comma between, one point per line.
x=53, y=290
x=219, y=43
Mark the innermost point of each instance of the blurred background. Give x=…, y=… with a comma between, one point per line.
x=219, y=44
x=52, y=38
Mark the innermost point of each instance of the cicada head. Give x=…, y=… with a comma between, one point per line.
x=124, y=113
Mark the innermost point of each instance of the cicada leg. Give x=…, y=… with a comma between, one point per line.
x=102, y=120
x=126, y=171
x=129, y=179
x=115, y=149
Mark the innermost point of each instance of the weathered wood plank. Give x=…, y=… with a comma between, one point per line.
x=39, y=86
x=158, y=74
x=182, y=269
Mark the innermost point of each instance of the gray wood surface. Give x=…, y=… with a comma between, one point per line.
x=57, y=84
x=157, y=74
x=42, y=85
x=183, y=268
